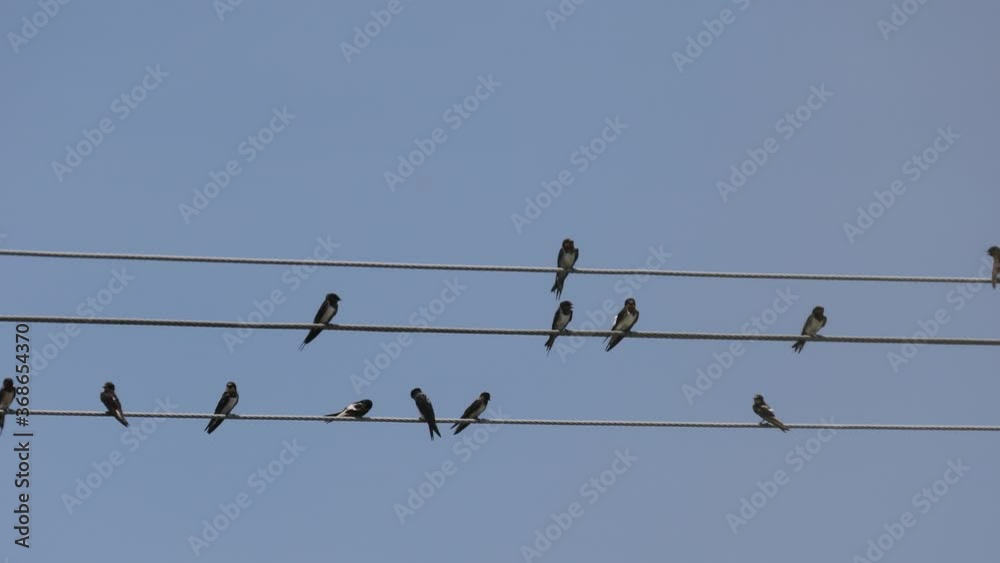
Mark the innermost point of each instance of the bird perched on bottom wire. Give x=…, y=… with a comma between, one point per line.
x=353, y=410
x=568, y=255
x=816, y=321
x=475, y=409
x=624, y=321
x=230, y=397
x=564, y=314
x=994, y=251
x=426, y=411
x=763, y=410
x=111, y=402
x=6, y=398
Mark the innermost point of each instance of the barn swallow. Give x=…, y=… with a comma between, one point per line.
x=564, y=314
x=353, y=410
x=475, y=409
x=761, y=409
x=567, y=258
x=994, y=251
x=226, y=404
x=112, y=403
x=325, y=314
x=624, y=321
x=6, y=398
x=426, y=411
x=815, y=322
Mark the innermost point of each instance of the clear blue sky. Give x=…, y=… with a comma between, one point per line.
x=656, y=185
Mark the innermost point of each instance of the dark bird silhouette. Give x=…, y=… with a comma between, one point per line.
x=353, y=410
x=7, y=394
x=994, y=251
x=111, y=402
x=475, y=409
x=761, y=409
x=226, y=405
x=568, y=255
x=815, y=322
x=325, y=314
x=564, y=314
x=624, y=321
x=426, y=411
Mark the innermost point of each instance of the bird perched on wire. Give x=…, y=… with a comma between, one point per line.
x=994, y=251
x=763, y=410
x=353, y=410
x=815, y=322
x=7, y=393
x=624, y=321
x=564, y=314
x=426, y=411
x=568, y=255
x=114, y=406
x=226, y=405
x=325, y=314
x=475, y=409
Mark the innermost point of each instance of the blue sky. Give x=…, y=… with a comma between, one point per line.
x=197, y=85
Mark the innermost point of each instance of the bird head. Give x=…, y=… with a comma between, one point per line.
x=8, y=384
x=758, y=399
x=485, y=397
x=818, y=311
x=568, y=245
x=365, y=403
x=230, y=386
x=630, y=305
x=994, y=251
x=566, y=307
x=416, y=391
x=332, y=298
x=109, y=386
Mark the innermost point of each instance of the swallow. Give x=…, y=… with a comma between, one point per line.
x=761, y=409
x=994, y=251
x=6, y=398
x=226, y=405
x=564, y=314
x=624, y=321
x=353, y=410
x=325, y=314
x=475, y=409
x=112, y=403
x=567, y=259
x=815, y=322
x=426, y=411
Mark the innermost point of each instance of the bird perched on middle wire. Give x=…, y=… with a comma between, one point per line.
x=353, y=410
x=426, y=411
x=564, y=314
x=7, y=394
x=325, y=314
x=566, y=260
x=624, y=321
x=475, y=409
x=815, y=322
x=114, y=406
x=226, y=405
x=763, y=410
x=994, y=251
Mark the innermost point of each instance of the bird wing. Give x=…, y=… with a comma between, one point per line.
x=475, y=406
x=319, y=314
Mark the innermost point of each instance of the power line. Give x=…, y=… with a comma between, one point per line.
x=481, y=268
x=532, y=422
x=498, y=331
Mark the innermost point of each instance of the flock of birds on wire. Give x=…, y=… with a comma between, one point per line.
x=568, y=255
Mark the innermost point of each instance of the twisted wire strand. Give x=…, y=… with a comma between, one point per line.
x=498, y=331
x=482, y=268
